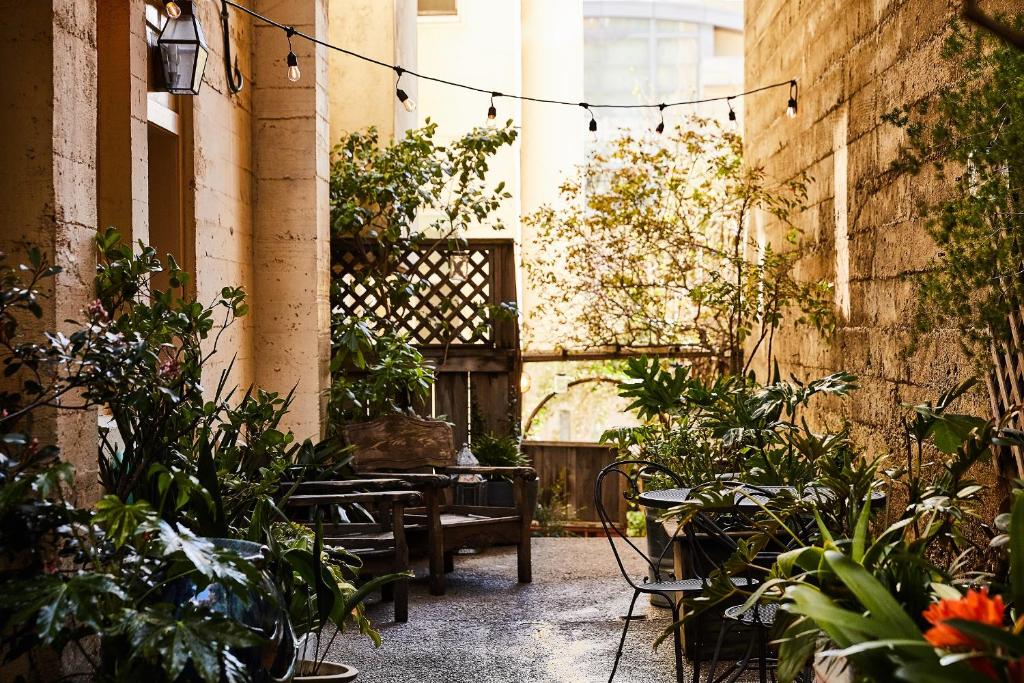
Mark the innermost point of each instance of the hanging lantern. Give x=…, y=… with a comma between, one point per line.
x=560, y=384
x=184, y=51
x=458, y=266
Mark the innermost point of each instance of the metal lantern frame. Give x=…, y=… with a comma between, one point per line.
x=197, y=39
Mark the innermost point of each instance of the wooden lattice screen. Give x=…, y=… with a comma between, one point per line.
x=1006, y=385
x=476, y=356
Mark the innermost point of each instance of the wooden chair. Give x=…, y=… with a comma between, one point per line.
x=381, y=545
x=422, y=453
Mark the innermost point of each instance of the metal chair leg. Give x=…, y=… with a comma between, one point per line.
x=698, y=646
x=677, y=641
x=717, y=651
x=762, y=654
x=743, y=664
x=622, y=640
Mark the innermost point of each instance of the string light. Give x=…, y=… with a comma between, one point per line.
x=410, y=105
x=172, y=9
x=660, y=128
x=403, y=97
x=293, y=62
x=592, y=126
x=492, y=111
x=791, y=105
x=732, y=112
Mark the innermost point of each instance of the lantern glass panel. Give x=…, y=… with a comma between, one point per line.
x=184, y=53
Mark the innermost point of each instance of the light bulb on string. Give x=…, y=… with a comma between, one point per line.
x=492, y=111
x=592, y=126
x=293, y=61
x=732, y=113
x=172, y=9
x=660, y=128
x=791, y=105
x=408, y=103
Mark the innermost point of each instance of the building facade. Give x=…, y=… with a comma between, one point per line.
x=233, y=184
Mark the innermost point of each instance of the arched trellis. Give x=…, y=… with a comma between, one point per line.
x=575, y=382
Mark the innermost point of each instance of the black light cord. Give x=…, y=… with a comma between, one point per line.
x=791, y=83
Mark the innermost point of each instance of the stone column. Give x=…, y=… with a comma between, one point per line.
x=48, y=177
x=291, y=302
x=122, y=140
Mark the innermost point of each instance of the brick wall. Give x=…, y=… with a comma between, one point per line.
x=855, y=61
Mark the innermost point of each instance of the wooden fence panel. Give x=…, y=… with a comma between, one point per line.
x=577, y=464
x=451, y=399
x=475, y=352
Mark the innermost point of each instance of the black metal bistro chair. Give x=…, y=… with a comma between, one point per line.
x=755, y=621
x=700, y=564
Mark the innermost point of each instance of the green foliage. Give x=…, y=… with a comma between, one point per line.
x=493, y=450
x=412, y=196
x=376, y=372
x=970, y=134
x=651, y=248
x=866, y=590
x=701, y=430
x=183, y=465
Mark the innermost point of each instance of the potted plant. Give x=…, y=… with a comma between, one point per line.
x=492, y=450
x=319, y=590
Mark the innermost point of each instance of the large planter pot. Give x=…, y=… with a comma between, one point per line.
x=500, y=493
x=274, y=660
x=327, y=672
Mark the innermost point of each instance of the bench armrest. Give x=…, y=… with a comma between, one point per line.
x=527, y=473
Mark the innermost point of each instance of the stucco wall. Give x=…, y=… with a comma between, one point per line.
x=48, y=176
x=855, y=61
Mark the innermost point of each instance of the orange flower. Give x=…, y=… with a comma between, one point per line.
x=975, y=606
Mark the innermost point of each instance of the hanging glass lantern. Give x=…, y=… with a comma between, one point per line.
x=184, y=51
x=458, y=266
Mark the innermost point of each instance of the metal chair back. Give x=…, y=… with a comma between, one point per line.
x=630, y=472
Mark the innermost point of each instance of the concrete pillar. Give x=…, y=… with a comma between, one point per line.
x=122, y=140
x=48, y=178
x=291, y=302
x=552, y=136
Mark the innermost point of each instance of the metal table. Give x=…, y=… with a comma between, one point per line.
x=670, y=498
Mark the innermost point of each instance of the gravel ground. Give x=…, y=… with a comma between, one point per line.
x=564, y=627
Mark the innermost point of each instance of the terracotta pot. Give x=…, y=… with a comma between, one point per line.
x=328, y=672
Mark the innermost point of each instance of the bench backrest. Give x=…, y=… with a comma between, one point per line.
x=401, y=443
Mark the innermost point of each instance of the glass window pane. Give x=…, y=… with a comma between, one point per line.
x=667, y=26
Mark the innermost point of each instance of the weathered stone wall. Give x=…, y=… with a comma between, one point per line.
x=855, y=61
x=254, y=182
x=48, y=175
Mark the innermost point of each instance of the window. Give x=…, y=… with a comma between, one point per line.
x=438, y=8
x=637, y=59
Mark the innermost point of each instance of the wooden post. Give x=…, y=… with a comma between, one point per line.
x=435, y=539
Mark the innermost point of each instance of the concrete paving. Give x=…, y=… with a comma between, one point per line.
x=562, y=628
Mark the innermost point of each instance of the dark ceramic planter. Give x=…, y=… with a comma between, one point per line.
x=271, y=662
x=500, y=493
